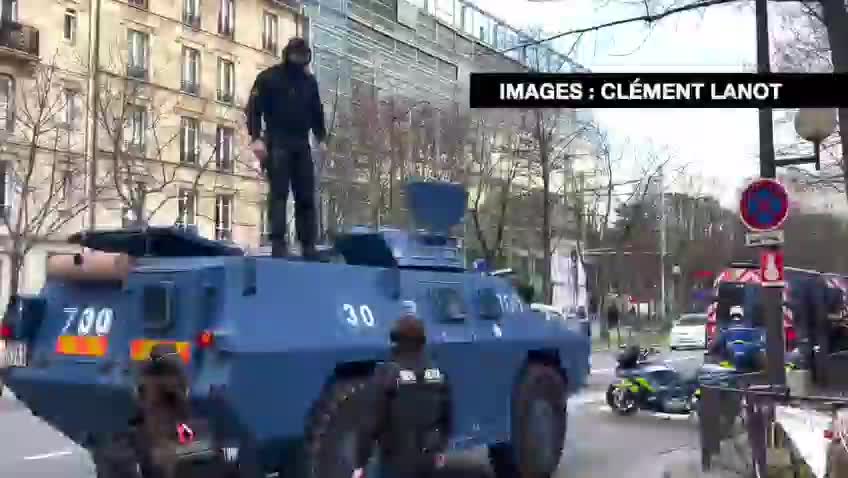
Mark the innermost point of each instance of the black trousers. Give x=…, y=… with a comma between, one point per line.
x=289, y=165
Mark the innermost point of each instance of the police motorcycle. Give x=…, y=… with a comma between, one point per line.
x=642, y=384
x=738, y=350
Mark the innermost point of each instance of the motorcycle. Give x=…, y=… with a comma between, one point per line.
x=647, y=386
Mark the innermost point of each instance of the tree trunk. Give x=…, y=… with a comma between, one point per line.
x=16, y=262
x=544, y=159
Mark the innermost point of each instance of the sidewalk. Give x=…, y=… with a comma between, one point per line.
x=686, y=463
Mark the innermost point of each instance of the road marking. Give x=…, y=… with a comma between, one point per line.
x=46, y=456
x=664, y=416
x=586, y=398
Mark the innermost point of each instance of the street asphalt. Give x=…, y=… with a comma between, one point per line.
x=599, y=444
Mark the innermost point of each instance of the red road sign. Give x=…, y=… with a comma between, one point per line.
x=771, y=267
x=764, y=205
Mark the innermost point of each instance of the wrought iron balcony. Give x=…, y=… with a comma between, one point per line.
x=190, y=87
x=192, y=20
x=225, y=96
x=18, y=37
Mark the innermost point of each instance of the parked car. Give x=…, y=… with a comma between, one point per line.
x=689, y=331
x=553, y=313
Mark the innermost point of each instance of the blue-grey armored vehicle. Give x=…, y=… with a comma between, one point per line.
x=279, y=350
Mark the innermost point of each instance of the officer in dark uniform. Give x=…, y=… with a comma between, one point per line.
x=165, y=441
x=413, y=408
x=287, y=98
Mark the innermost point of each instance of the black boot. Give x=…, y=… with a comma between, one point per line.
x=310, y=253
x=279, y=249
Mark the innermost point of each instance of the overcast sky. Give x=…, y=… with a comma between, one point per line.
x=719, y=144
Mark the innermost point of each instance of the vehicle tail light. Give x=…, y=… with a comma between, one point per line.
x=711, y=328
x=205, y=340
x=791, y=336
x=829, y=435
x=6, y=332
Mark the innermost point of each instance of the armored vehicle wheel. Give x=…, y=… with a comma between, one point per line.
x=332, y=432
x=539, y=419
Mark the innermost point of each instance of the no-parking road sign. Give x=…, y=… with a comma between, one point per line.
x=764, y=205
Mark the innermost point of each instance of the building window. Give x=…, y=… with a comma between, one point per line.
x=270, y=29
x=70, y=107
x=227, y=18
x=6, y=191
x=137, y=48
x=191, y=13
x=132, y=214
x=186, y=212
x=9, y=10
x=67, y=187
x=223, y=217
x=138, y=3
x=191, y=71
x=224, y=148
x=136, y=129
x=189, y=140
x=70, y=26
x=7, y=103
x=265, y=226
x=226, y=80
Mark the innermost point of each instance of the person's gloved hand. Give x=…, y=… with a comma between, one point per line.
x=260, y=151
x=358, y=473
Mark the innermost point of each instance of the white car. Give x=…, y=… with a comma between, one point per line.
x=689, y=331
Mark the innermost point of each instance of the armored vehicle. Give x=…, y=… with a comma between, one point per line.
x=279, y=350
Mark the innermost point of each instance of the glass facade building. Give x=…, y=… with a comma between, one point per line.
x=418, y=49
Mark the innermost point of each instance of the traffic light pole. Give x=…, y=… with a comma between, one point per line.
x=772, y=296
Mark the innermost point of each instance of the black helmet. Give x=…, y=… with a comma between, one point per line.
x=297, y=51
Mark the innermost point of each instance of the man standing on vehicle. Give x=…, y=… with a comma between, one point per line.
x=287, y=98
x=411, y=408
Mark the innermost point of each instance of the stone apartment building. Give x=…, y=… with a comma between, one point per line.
x=170, y=84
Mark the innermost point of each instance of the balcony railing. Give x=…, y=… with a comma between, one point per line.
x=190, y=87
x=192, y=20
x=225, y=96
x=189, y=157
x=137, y=72
x=19, y=37
x=271, y=47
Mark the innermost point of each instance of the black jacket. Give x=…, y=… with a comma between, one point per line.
x=411, y=419
x=289, y=101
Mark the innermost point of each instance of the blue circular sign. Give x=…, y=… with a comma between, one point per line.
x=764, y=205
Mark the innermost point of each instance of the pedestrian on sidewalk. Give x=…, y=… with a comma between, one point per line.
x=613, y=322
x=287, y=98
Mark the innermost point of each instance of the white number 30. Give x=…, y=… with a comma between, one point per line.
x=363, y=316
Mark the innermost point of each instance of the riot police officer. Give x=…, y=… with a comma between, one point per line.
x=164, y=441
x=413, y=420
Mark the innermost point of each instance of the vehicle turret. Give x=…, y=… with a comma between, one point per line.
x=435, y=208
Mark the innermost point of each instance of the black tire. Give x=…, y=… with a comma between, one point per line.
x=616, y=407
x=336, y=419
x=539, y=421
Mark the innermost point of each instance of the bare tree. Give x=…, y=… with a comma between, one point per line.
x=41, y=164
x=496, y=154
x=140, y=136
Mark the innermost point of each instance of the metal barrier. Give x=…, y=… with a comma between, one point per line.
x=737, y=423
